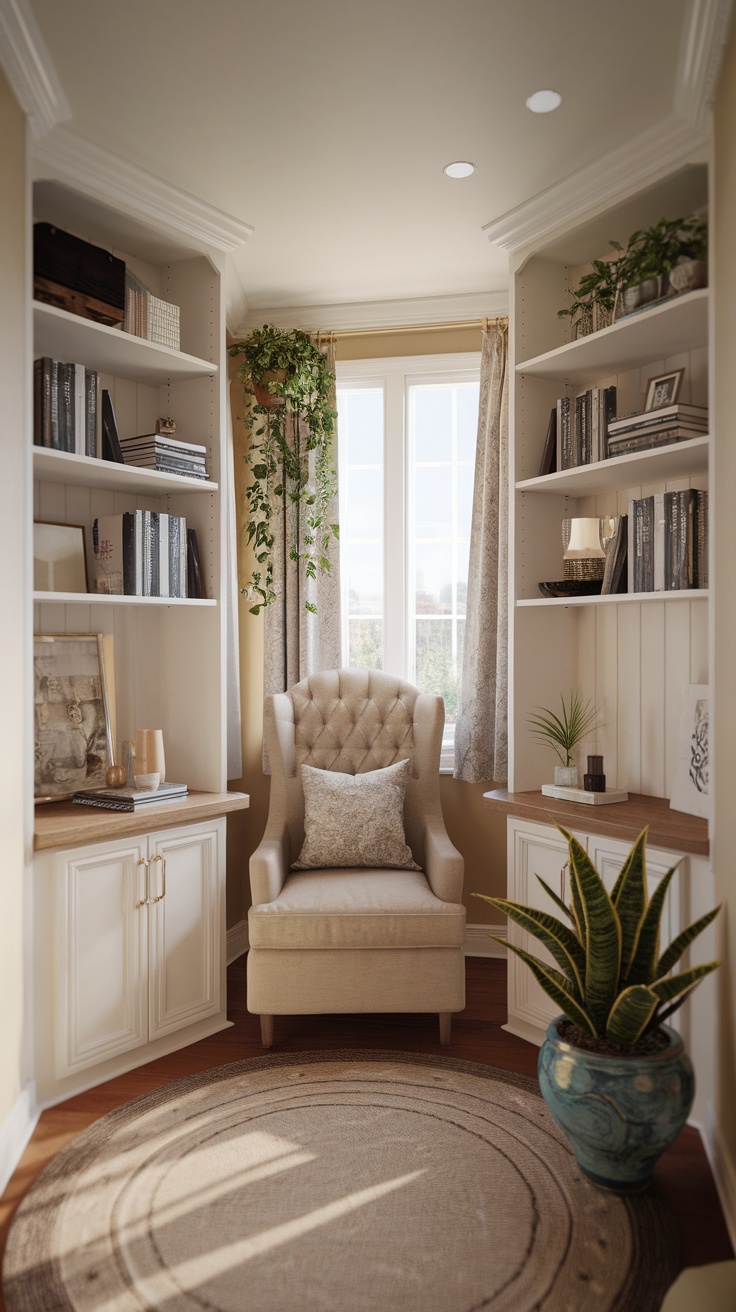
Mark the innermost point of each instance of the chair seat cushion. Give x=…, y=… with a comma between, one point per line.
x=345, y=908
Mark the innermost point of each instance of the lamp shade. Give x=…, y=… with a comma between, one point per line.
x=584, y=541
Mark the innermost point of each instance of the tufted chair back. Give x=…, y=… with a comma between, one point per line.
x=353, y=721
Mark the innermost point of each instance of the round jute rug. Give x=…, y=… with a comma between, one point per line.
x=333, y=1182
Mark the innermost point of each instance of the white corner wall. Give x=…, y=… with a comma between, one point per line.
x=16, y=820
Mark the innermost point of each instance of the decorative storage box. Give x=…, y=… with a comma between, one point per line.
x=74, y=275
x=163, y=322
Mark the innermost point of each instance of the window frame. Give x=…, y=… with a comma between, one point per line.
x=396, y=374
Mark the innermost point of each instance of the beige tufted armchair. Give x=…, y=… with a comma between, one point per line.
x=350, y=939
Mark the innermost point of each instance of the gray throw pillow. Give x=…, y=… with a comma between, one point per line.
x=355, y=819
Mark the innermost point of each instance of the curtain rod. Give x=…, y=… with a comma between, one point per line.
x=484, y=323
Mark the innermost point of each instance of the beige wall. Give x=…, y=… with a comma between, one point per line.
x=724, y=487
x=479, y=834
x=14, y=644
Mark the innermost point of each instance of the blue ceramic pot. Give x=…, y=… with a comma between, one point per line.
x=619, y=1113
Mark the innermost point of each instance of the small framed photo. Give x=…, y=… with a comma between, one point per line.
x=691, y=783
x=73, y=737
x=59, y=558
x=663, y=389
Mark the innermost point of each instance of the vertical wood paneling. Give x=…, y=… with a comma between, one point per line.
x=652, y=698
x=628, y=714
x=677, y=676
x=698, y=642
x=606, y=685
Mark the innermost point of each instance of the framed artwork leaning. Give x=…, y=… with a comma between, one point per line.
x=73, y=738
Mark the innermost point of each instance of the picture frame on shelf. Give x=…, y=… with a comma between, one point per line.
x=72, y=721
x=663, y=389
x=59, y=558
x=111, y=448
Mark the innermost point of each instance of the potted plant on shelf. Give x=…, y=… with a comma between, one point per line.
x=291, y=424
x=616, y=1079
x=563, y=732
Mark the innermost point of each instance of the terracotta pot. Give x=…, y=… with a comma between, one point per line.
x=262, y=394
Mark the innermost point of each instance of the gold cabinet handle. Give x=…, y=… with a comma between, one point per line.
x=162, y=894
x=142, y=862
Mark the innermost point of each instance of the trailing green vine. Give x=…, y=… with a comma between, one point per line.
x=291, y=424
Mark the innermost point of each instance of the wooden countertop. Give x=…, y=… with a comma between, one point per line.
x=673, y=830
x=66, y=824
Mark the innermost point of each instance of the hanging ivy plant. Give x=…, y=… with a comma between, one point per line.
x=291, y=424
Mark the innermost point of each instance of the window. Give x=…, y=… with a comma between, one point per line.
x=407, y=435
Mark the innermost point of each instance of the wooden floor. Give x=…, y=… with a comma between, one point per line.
x=682, y=1176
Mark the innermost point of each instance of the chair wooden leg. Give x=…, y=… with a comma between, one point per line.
x=267, y=1031
x=445, y=1027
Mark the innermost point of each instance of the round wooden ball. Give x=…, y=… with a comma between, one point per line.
x=116, y=776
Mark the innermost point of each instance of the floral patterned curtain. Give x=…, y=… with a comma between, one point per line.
x=481, y=746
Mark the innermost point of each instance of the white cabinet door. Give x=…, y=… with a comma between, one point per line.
x=101, y=969
x=533, y=850
x=185, y=926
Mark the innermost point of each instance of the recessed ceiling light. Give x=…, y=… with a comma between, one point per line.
x=460, y=169
x=543, y=102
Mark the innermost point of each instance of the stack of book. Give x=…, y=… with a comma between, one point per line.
x=65, y=406
x=141, y=553
x=668, y=541
x=130, y=799
x=643, y=431
x=169, y=454
x=584, y=422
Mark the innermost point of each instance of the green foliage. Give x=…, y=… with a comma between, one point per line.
x=611, y=980
x=290, y=453
x=648, y=253
x=563, y=732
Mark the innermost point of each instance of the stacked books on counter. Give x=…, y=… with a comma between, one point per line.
x=652, y=428
x=141, y=553
x=668, y=541
x=169, y=454
x=65, y=406
x=130, y=799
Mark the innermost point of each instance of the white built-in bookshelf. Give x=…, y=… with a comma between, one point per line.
x=630, y=653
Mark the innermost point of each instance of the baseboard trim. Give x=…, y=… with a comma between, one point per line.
x=723, y=1167
x=237, y=940
x=478, y=944
x=16, y=1133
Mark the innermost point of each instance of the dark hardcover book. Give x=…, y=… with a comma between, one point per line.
x=110, y=440
x=702, y=540
x=583, y=435
x=138, y=535
x=42, y=369
x=54, y=407
x=147, y=555
x=619, y=573
x=155, y=550
x=606, y=413
x=642, y=563
x=680, y=539
x=66, y=406
x=129, y=561
x=564, y=434
x=90, y=420
x=195, y=586
x=548, y=463
x=648, y=441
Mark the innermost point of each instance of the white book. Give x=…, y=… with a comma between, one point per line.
x=163, y=555
x=582, y=795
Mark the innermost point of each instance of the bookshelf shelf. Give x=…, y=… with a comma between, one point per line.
x=66, y=336
x=108, y=599
x=667, y=329
x=616, y=599
x=64, y=467
x=676, y=461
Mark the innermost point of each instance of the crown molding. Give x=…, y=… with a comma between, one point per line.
x=116, y=182
x=704, y=38
x=28, y=68
x=589, y=190
x=413, y=312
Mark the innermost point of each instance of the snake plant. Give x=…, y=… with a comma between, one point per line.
x=612, y=980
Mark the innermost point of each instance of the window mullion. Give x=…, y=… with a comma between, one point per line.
x=394, y=561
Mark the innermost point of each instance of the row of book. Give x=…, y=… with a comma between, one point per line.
x=145, y=553
x=130, y=799
x=582, y=426
x=65, y=406
x=668, y=541
x=147, y=315
x=652, y=428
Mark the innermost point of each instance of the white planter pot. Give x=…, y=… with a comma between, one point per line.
x=566, y=776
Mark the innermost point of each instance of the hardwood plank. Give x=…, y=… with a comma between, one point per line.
x=673, y=830
x=64, y=824
x=683, y=1175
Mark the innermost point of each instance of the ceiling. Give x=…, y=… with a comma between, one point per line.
x=326, y=123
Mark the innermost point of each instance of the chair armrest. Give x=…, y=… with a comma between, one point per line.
x=269, y=866
x=445, y=867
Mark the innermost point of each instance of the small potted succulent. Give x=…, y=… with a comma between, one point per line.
x=291, y=422
x=615, y=1078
